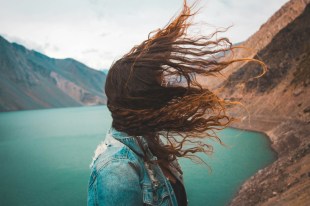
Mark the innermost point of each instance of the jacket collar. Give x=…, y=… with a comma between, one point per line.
x=133, y=144
x=129, y=141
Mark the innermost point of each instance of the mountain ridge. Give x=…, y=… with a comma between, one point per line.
x=260, y=39
x=278, y=105
x=32, y=80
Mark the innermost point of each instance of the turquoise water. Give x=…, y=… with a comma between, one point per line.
x=45, y=157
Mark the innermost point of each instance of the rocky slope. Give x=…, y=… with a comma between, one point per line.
x=31, y=80
x=277, y=104
x=260, y=39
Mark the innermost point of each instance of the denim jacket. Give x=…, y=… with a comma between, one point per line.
x=119, y=176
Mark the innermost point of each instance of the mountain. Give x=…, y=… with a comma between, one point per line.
x=31, y=80
x=260, y=39
x=278, y=105
x=105, y=71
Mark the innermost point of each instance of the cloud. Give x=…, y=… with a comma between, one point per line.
x=97, y=32
x=29, y=44
x=88, y=51
x=104, y=34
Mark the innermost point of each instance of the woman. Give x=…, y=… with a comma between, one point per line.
x=159, y=113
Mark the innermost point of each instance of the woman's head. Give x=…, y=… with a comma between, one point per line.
x=152, y=90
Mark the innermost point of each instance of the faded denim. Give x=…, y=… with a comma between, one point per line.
x=119, y=175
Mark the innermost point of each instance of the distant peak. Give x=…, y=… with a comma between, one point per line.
x=2, y=39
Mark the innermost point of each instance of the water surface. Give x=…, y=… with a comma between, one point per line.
x=45, y=157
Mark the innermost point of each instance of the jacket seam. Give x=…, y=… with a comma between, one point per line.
x=114, y=159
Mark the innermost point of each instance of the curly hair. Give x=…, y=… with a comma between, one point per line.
x=153, y=91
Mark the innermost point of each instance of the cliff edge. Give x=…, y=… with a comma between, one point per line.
x=277, y=104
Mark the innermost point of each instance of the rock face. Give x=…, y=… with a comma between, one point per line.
x=260, y=39
x=277, y=104
x=31, y=80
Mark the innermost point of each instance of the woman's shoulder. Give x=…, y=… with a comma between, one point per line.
x=114, y=157
x=110, y=152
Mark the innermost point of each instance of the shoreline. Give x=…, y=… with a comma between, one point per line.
x=50, y=108
x=262, y=132
x=287, y=176
x=270, y=146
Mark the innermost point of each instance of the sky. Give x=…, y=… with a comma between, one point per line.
x=98, y=32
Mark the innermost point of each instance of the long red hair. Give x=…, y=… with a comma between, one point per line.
x=153, y=92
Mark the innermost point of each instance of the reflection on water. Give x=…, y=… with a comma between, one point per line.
x=45, y=157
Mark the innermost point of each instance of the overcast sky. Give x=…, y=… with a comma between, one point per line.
x=97, y=32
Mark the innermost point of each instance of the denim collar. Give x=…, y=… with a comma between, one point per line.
x=133, y=144
x=131, y=141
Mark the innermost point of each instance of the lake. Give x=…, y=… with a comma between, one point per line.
x=45, y=157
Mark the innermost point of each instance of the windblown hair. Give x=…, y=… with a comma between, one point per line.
x=153, y=92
